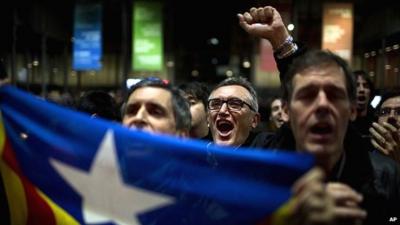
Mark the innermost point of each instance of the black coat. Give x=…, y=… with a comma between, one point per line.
x=363, y=123
x=375, y=176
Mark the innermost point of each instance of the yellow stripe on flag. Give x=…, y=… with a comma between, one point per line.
x=2, y=135
x=61, y=216
x=283, y=215
x=15, y=195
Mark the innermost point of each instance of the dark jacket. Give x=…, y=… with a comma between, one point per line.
x=375, y=176
x=363, y=123
x=257, y=139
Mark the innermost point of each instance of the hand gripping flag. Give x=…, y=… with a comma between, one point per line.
x=62, y=167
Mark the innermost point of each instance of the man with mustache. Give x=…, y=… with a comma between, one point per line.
x=320, y=95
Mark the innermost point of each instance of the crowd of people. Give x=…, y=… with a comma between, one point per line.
x=324, y=110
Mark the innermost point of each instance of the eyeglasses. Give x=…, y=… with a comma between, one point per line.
x=387, y=110
x=233, y=104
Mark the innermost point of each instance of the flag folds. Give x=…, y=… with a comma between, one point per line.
x=62, y=167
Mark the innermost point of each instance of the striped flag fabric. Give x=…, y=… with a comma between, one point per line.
x=59, y=166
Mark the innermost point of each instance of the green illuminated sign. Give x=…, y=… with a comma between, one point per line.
x=147, y=37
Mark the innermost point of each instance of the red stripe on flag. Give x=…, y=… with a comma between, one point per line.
x=266, y=221
x=9, y=156
x=39, y=212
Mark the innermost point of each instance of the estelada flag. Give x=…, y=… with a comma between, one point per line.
x=59, y=166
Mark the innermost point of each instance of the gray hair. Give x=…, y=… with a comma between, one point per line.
x=240, y=81
x=180, y=105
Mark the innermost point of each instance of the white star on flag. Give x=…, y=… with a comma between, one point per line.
x=105, y=196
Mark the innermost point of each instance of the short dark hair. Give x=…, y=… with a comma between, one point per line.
x=244, y=83
x=99, y=103
x=363, y=74
x=180, y=106
x=274, y=97
x=271, y=99
x=198, y=90
x=395, y=92
x=318, y=58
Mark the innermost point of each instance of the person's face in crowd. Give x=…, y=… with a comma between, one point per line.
x=319, y=111
x=278, y=116
x=390, y=112
x=197, y=110
x=363, y=93
x=150, y=109
x=232, y=126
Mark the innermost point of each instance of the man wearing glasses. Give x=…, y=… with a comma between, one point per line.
x=233, y=112
x=320, y=93
x=385, y=135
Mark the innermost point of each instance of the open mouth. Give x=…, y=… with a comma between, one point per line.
x=224, y=127
x=321, y=129
x=361, y=98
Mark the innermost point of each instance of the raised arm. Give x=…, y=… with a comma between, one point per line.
x=266, y=22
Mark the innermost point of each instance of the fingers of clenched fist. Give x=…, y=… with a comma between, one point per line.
x=264, y=22
x=316, y=202
x=346, y=202
x=343, y=194
x=311, y=203
x=314, y=175
x=262, y=14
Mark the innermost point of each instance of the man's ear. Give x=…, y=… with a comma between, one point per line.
x=285, y=107
x=255, y=120
x=208, y=118
x=353, y=112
